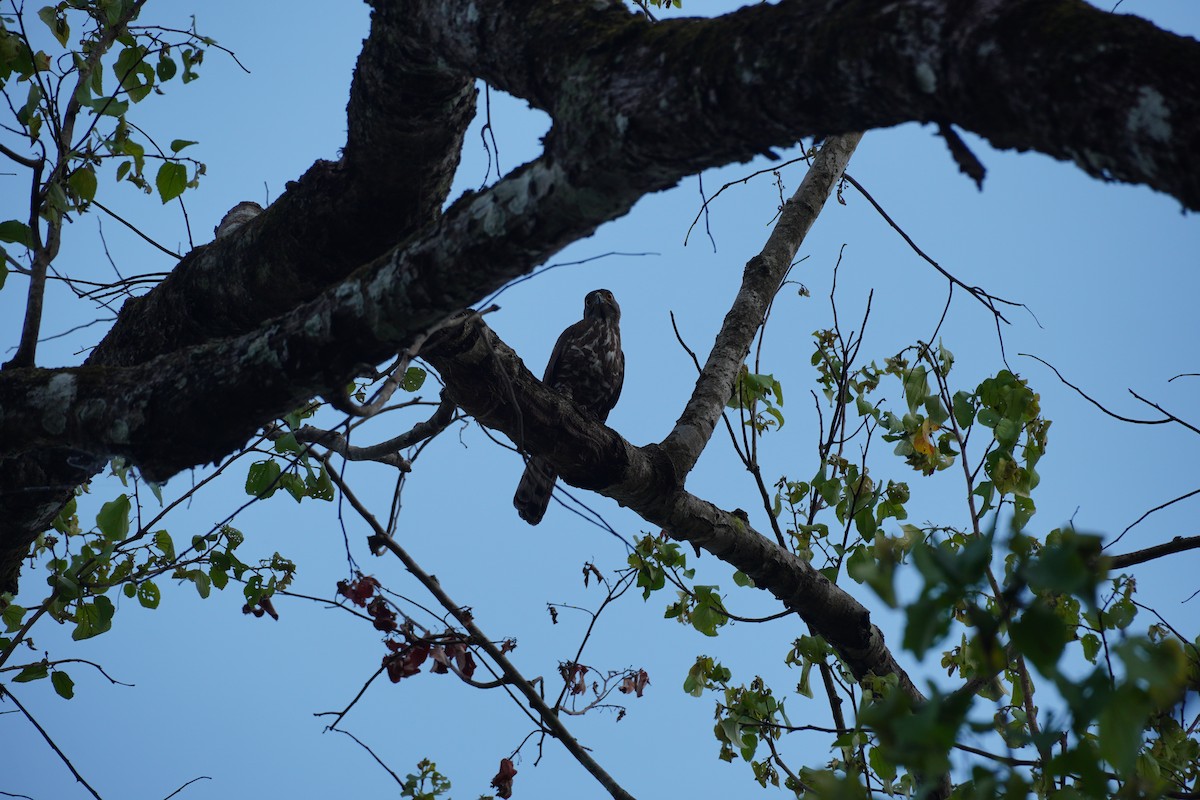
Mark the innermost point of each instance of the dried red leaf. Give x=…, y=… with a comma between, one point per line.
x=590, y=569
x=358, y=591
x=466, y=663
x=269, y=607
x=573, y=675
x=503, y=782
x=384, y=616
x=635, y=682
x=406, y=661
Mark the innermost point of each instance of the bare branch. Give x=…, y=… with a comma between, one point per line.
x=31, y=163
x=763, y=276
x=1091, y=399
x=189, y=783
x=1158, y=507
x=7, y=692
x=1177, y=545
x=989, y=300
x=135, y=229
x=1170, y=417
x=511, y=675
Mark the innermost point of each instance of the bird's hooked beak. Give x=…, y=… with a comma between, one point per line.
x=601, y=303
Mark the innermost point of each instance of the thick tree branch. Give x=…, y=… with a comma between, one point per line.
x=490, y=382
x=406, y=119
x=636, y=108
x=707, y=92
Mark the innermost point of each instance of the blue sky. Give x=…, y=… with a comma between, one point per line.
x=1109, y=273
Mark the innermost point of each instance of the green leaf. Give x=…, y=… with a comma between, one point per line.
x=93, y=619
x=16, y=232
x=1040, y=636
x=12, y=617
x=936, y=412
x=162, y=540
x=148, y=594
x=83, y=184
x=262, y=479
x=110, y=106
x=171, y=181
x=882, y=767
x=916, y=387
x=202, y=581
x=3, y=267
x=286, y=444
x=166, y=69
x=113, y=519
x=414, y=378
x=928, y=622
x=113, y=10
x=57, y=23
x=34, y=672
x=320, y=486
x=135, y=75
x=294, y=485
x=1007, y=432
x=964, y=409
x=179, y=144
x=1121, y=725
x=63, y=685
x=57, y=203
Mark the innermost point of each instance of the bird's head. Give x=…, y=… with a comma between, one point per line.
x=600, y=304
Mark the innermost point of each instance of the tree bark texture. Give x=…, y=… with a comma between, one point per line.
x=355, y=261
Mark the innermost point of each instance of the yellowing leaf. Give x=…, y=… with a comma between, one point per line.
x=921, y=441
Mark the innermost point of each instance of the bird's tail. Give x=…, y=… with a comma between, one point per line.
x=533, y=492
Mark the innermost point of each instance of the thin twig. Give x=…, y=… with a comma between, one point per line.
x=8, y=693
x=135, y=229
x=1092, y=400
x=988, y=300
x=341, y=714
x=189, y=783
x=1159, y=507
x=378, y=760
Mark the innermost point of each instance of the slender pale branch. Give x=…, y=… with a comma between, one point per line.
x=762, y=278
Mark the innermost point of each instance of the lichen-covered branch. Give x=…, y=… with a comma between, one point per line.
x=763, y=276
x=712, y=91
x=636, y=107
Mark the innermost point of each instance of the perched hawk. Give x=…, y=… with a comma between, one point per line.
x=587, y=365
x=237, y=216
